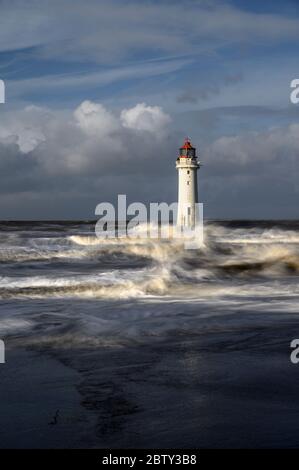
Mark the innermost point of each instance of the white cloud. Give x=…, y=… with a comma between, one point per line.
x=275, y=145
x=145, y=118
x=25, y=127
x=94, y=119
x=90, y=140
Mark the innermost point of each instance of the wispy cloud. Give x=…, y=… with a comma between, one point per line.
x=46, y=83
x=106, y=31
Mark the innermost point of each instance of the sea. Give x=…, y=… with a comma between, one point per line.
x=141, y=343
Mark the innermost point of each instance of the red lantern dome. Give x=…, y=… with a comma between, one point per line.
x=187, y=150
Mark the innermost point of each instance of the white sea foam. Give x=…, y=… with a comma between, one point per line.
x=13, y=325
x=217, y=269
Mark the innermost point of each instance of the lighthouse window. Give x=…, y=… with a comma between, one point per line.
x=188, y=171
x=188, y=182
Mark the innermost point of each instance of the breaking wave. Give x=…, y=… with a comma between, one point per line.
x=62, y=265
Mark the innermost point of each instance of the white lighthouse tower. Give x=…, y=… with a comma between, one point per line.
x=187, y=166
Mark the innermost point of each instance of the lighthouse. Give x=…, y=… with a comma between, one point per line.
x=187, y=165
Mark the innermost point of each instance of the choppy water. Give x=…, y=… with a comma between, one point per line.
x=159, y=333
x=66, y=260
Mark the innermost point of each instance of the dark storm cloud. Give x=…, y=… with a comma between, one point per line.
x=208, y=124
x=66, y=163
x=204, y=93
x=18, y=171
x=254, y=174
x=200, y=94
x=88, y=155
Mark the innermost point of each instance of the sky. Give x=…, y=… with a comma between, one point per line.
x=100, y=95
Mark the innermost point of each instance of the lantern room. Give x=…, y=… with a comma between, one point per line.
x=187, y=151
